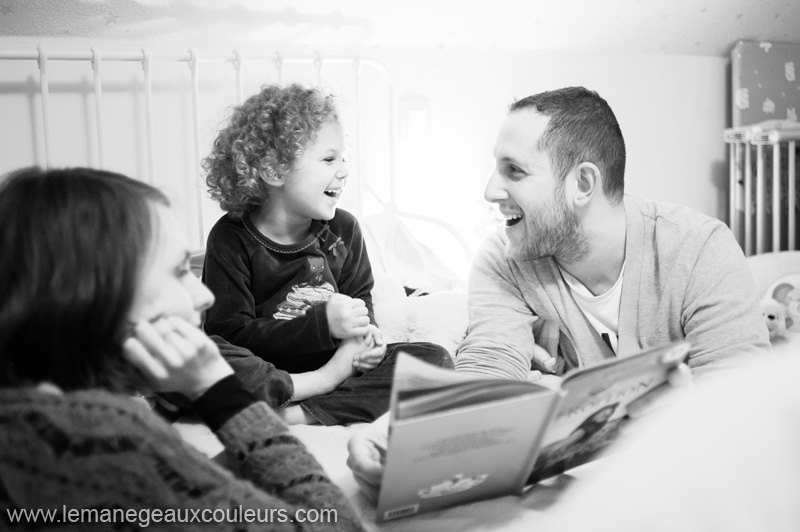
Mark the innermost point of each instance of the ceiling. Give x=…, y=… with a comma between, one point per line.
x=695, y=27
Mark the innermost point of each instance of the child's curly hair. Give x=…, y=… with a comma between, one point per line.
x=264, y=137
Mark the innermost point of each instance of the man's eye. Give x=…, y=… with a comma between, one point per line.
x=514, y=171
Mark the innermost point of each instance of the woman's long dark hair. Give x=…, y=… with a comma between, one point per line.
x=72, y=242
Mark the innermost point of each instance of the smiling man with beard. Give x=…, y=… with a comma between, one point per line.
x=587, y=271
x=582, y=273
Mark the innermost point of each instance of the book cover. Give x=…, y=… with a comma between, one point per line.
x=456, y=438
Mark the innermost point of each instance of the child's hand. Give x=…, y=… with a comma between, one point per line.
x=175, y=356
x=347, y=316
x=376, y=349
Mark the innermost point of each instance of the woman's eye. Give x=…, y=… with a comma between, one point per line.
x=183, y=270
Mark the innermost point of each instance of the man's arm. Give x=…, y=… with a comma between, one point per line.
x=721, y=316
x=500, y=340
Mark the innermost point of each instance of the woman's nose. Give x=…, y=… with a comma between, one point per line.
x=201, y=295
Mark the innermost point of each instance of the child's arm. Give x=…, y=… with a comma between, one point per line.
x=355, y=278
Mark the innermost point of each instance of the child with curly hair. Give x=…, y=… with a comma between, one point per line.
x=289, y=270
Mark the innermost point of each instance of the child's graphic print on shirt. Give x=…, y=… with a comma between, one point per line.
x=304, y=295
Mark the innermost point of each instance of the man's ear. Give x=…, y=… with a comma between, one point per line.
x=587, y=178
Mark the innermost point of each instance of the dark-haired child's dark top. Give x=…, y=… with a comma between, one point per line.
x=270, y=298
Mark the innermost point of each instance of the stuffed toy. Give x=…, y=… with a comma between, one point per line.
x=776, y=317
x=788, y=295
x=439, y=317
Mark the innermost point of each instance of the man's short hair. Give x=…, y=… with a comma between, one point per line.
x=582, y=128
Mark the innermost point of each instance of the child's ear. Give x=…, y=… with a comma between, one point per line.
x=273, y=179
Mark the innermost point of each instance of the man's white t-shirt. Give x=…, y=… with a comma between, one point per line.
x=602, y=311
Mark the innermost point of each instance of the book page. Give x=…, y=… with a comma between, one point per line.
x=417, y=402
x=420, y=388
x=594, y=409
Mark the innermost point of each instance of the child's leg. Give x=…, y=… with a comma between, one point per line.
x=364, y=397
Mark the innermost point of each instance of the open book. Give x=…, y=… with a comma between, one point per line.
x=456, y=438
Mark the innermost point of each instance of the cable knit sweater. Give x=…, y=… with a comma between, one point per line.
x=96, y=450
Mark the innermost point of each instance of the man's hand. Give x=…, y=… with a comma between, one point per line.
x=367, y=456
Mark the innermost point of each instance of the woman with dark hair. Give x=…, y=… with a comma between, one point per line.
x=98, y=300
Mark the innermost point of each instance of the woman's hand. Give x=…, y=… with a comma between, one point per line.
x=175, y=356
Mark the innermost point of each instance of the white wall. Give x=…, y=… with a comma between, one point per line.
x=672, y=110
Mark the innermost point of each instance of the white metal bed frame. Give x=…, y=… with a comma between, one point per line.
x=43, y=55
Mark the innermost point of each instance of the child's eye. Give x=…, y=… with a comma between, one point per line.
x=329, y=159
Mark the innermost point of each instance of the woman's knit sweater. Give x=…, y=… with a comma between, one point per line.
x=95, y=455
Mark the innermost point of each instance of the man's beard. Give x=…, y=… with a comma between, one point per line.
x=555, y=232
